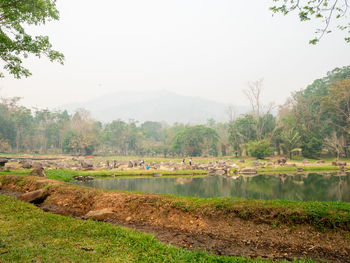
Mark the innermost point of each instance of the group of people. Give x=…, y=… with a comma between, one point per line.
x=189, y=162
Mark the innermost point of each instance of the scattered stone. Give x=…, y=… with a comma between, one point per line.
x=300, y=169
x=128, y=219
x=157, y=175
x=36, y=197
x=130, y=164
x=100, y=215
x=320, y=161
x=281, y=160
x=258, y=163
x=241, y=161
x=339, y=163
x=39, y=171
x=305, y=161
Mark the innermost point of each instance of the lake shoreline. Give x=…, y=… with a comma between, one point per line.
x=217, y=218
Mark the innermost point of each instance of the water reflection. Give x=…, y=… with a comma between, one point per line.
x=299, y=187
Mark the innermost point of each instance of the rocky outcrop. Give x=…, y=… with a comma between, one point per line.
x=26, y=164
x=100, y=215
x=86, y=165
x=339, y=163
x=3, y=162
x=38, y=171
x=36, y=197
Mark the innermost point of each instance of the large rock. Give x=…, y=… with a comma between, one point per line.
x=37, y=196
x=86, y=165
x=339, y=163
x=100, y=215
x=3, y=162
x=26, y=164
x=38, y=171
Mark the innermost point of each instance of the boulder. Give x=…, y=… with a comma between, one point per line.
x=100, y=215
x=320, y=161
x=248, y=170
x=339, y=163
x=39, y=171
x=3, y=162
x=26, y=165
x=130, y=164
x=281, y=160
x=86, y=165
x=37, y=196
x=220, y=172
x=258, y=163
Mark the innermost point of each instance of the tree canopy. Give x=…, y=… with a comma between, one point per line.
x=327, y=11
x=15, y=43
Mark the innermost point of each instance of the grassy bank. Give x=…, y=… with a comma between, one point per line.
x=67, y=175
x=27, y=234
x=322, y=215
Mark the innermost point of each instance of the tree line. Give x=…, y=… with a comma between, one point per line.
x=313, y=121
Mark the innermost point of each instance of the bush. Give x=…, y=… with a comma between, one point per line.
x=260, y=149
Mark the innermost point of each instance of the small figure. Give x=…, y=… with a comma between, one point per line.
x=190, y=161
x=183, y=161
x=147, y=167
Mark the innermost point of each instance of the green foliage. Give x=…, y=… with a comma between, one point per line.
x=196, y=140
x=290, y=140
x=259, y=149
x=15, y=42
x=324, y=11
x=311, y=146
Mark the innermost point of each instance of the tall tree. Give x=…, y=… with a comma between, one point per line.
x=15, y=42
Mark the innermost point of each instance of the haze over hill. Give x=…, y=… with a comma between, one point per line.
x=155, y=106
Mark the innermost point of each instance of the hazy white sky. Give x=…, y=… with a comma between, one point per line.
x=198, y=48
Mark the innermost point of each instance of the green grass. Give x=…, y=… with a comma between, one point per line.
x=27, y=234
x=321, y=215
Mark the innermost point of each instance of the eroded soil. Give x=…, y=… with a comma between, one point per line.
x=219, y=232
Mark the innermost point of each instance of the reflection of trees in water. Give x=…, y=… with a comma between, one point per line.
x=288, y=187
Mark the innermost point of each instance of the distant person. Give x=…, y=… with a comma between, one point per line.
x=147, y=167
x=190, y=161
x=183, y=161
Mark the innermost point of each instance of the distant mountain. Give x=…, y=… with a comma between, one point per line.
x=154, y=106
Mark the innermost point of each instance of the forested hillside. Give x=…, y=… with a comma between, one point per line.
x=313, y=121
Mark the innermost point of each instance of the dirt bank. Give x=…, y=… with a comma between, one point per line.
x=214, y=230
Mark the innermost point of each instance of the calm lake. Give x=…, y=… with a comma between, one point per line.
x=298, y=187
